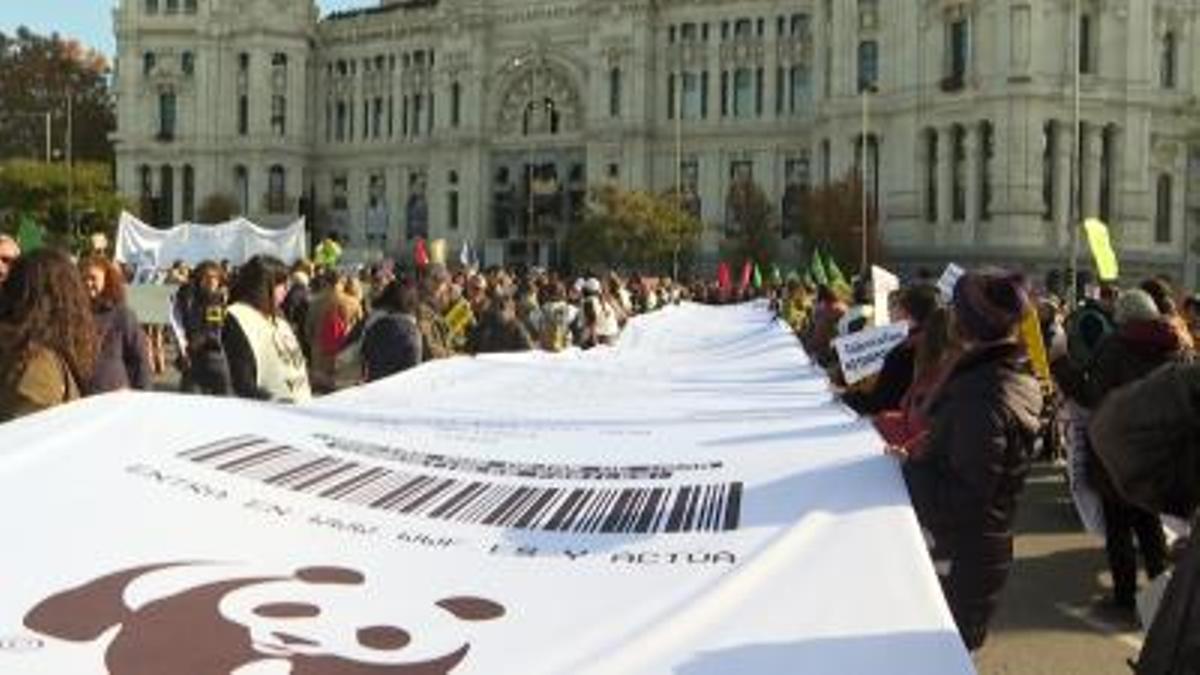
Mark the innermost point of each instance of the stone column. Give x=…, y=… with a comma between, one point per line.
x=973, y=147
x=1093, y=149
x=945, y=177
x=1064, y=146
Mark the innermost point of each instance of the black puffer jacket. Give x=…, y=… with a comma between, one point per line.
x=965, y=487
x=1148, y=436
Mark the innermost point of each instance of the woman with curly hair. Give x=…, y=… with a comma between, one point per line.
x=48, y=340
x=124, y=358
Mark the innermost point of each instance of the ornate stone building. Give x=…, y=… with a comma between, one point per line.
x=486, y=120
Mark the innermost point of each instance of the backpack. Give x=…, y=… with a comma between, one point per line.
x=1086, y=329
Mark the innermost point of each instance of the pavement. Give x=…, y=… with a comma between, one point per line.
x=1048, y=622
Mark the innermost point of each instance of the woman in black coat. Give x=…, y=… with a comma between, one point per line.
x=123, y=361
x=985, y=420
x=391, y=341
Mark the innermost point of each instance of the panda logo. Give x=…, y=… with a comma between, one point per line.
x=319, y=620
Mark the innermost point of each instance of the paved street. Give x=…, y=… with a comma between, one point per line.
x=1045, y=624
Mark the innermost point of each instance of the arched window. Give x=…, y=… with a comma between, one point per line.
x=241, y=188
x=188, y=207
x=166, y=196
x=1162, y=213
x=1167, y=68
x=868, y=64
x=743, y=92
x=277, y=189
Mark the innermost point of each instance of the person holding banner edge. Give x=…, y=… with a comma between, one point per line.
x=985, y=422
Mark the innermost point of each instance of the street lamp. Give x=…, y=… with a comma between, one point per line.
x=867, y=89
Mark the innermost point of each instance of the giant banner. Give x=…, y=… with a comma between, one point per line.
x=236, y=241
x=692, y=501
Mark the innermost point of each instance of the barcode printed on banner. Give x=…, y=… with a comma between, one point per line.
x=614, y=510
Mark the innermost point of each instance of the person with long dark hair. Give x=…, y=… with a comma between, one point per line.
x=124, y=358
x=265, y=359
x=200, y=309
x=985, y=420
x=48, y=339
x=391, y=340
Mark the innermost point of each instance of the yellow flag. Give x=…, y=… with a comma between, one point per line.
x=437, y=251
x=1031, y=335
x=1102, y=250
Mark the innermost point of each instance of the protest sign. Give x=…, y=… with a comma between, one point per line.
x=1031, y=336
x=670, y=505
x=459, y=318
x=883, y=284
x=1102, y=250
x=949, y=280
x=861, y=354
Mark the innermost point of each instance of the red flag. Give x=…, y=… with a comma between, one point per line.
x=723, y=279
x=747, y=270
x=420, y=253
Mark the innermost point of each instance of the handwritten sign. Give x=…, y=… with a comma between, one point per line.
x=861, y=354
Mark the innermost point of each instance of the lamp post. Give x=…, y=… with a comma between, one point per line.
x=1073, y=219
x=679, y=108
x=867, y=89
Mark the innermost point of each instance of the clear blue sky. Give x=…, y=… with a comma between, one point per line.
x=90, y=21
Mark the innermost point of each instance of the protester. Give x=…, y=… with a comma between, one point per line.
x=500, y=329
x=906, y=427
x=10, y=250
x=599, y=324
x=913, y=306
x=554, y=333
x=1147, y=435
x=985, y=421
x=391, y=341
x=48, y=340
x=823, y=325
x=265, y=359
x=332, y=317
x=200, y=310
x=123, y=361
x=434, y=302
x=1145, y=340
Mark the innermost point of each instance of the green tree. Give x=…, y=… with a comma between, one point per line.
x=37, y=74
x=41, y=190
x=751, y=231
x=633, y=229
x=834, y=221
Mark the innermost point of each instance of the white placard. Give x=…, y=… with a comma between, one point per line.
x=883, y=284
x=687, y=501
x=949, y=280
x=861, y=354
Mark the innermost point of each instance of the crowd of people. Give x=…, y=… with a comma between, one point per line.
x=271, y=331
x=958, y=402
x=961, y=404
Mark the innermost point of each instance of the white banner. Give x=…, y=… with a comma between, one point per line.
x=688, y=502
x=862, y=354
x=236, y=241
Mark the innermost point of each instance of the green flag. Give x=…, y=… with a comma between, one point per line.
x=29, y=234
x=837, y=280
x=816, y=269
x=757, y=277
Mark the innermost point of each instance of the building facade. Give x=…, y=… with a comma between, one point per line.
x=487, y=120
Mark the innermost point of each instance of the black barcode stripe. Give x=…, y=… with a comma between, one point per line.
x=588, y=510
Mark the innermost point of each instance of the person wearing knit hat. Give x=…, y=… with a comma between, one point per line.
x=989, y=307
x=1144, y=341
x=965, y=478
x=1135, y=305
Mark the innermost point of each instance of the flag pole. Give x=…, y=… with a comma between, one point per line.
x=1073, y=221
